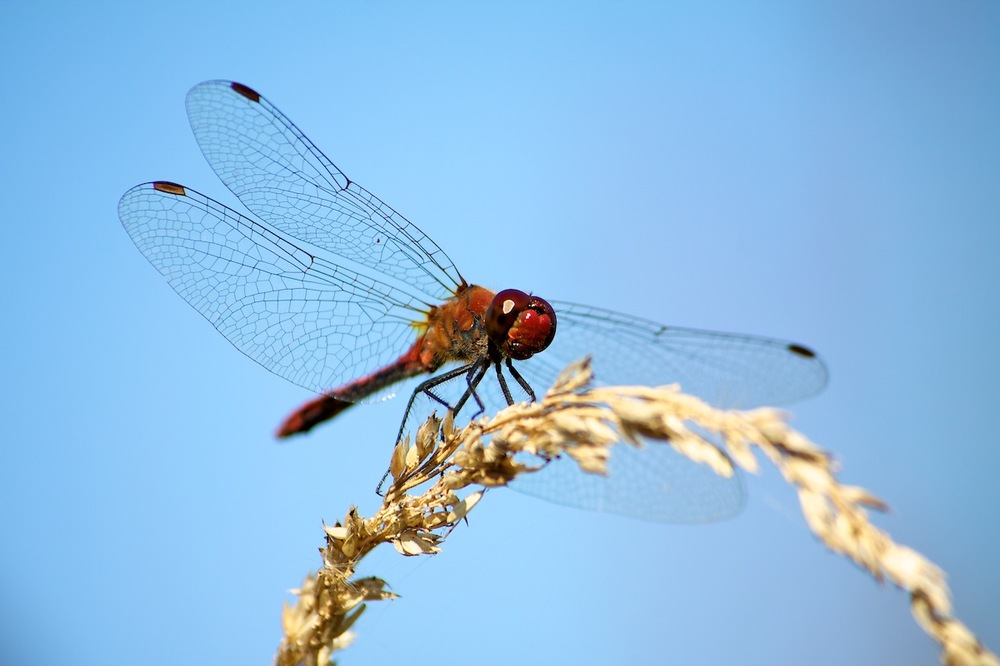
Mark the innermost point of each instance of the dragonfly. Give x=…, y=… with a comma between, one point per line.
x=325, y=285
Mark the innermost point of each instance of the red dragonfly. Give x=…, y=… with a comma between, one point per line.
x=335, y=291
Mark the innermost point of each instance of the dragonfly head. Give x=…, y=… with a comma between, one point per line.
x=519, y=324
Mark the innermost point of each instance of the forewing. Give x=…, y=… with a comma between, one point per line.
x=724, y=369
x=299, y=315
x=728, y=370
x=284, y=179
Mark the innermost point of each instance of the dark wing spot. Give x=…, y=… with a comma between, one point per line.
x=246, y=91
x=801, y=351
x=169, y=188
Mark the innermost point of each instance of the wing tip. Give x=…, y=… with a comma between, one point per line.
x=800, y=350
x=169, y=188
x=246, y=91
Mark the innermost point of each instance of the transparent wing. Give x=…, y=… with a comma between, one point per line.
x=727, y=370
x=654, y=483
x=724, y=369
x=284, y=179
x=301, y=316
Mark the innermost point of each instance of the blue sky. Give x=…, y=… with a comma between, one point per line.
x=821, y=173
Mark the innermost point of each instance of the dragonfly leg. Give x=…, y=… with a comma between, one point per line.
x=427, y=388
x=474, y=373
x=521, y=381
x=475, y=376
x=503, y=382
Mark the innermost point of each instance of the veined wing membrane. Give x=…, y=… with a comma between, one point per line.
x=654, y=483
x=295, y=313
x=724, y=369
x=727, y=370
x=283, y=178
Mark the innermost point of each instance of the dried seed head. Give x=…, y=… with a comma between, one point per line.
x=585, y=424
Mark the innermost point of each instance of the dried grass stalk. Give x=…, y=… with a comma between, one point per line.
x=425, y=500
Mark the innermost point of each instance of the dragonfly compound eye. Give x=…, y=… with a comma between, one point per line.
x=520, y=324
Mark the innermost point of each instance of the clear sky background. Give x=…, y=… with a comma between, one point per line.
x=828, y=173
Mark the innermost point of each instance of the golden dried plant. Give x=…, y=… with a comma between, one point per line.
x=432, y=480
